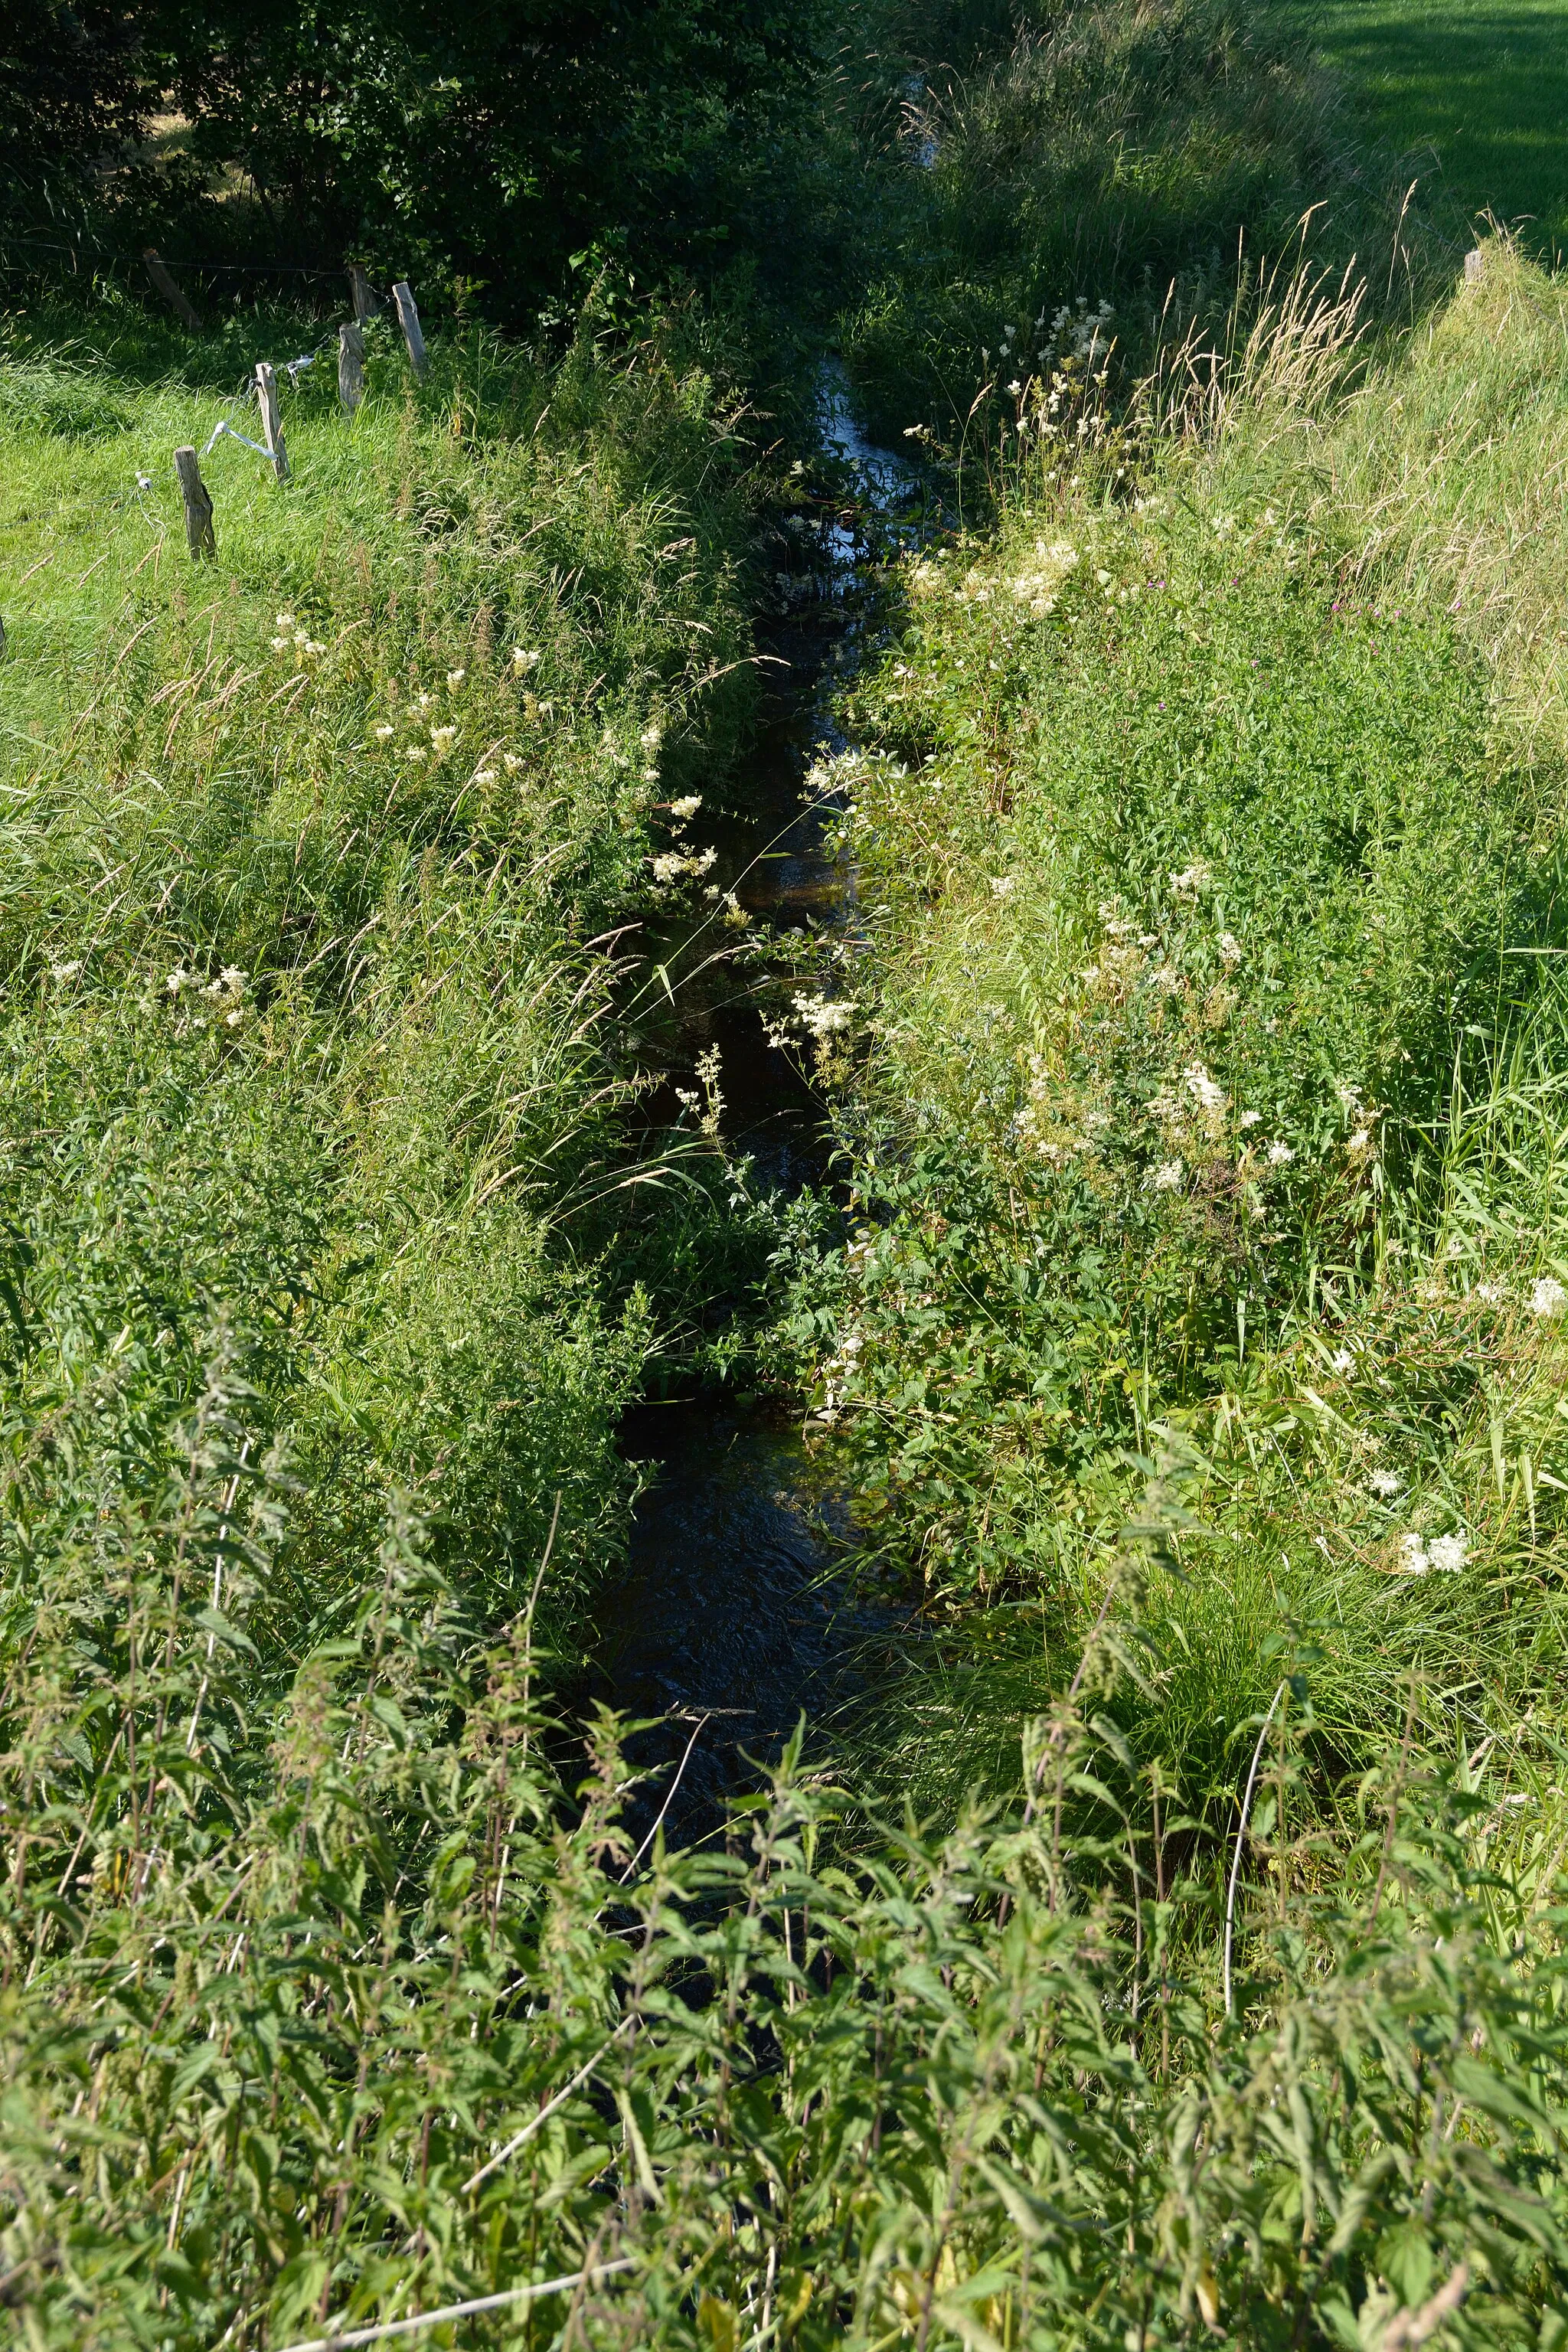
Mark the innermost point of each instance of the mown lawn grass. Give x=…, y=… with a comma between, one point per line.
x=1482, y=84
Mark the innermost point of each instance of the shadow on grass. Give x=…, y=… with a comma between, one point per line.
x=1485, y=88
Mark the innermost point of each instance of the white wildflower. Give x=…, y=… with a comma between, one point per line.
x=1492, y=1293
x=1385, y=1482
x=1413, y=1554
x=1250, y=1119
x=455, y=679
x=1167, y=1176
x=1448, y=1554
x=1039, y=582
x=1229, y=948
x=280, y=645
x=1001, y=885
x=423, y=702
x=1548, y=1297
x=443, y=739
x=1360, y=1142
x=667, y=867
x=1343, y=1361
x=415, y=751
x=512, y=762
x=1192, y=878
x=823, y=1015
x=686, y=807
x=285, y=621
x=521, y=659
x=1206, y=1092
x=384, y=734
x=1280, y=1155
x=486, y=776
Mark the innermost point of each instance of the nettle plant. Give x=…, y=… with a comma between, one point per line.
x=331, y=2005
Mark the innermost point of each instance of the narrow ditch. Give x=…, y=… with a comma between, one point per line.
x=731, y=1615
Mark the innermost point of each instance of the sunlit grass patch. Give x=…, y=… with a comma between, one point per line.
x=1482, y=89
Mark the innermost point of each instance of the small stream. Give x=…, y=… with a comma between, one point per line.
x=727, y=1618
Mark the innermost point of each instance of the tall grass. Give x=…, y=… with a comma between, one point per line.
x=1150, y=159
x=308, y=857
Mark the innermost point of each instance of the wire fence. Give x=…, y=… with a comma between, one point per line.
x=224, y=429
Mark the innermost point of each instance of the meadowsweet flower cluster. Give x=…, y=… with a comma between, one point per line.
x=213, y=1003
x=824, y=1016
x=1445, y=1555
x=1039, y=582
x=670, y=865
x=290, y=634
x=1210, y=1097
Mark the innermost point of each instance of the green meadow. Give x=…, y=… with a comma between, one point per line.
x=1475, y=94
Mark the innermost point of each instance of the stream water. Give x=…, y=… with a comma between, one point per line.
x=727, y=1620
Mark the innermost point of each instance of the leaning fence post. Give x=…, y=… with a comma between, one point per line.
x=351, y=367
x=271, y=423
x=1472, y=264
x=359, y=286
x=198, y=506
x=408, y=319
x=168, y=289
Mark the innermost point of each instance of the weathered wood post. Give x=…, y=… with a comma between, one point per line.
x=359, y=286
x=168, y=289
x=271, y=422
x=351, y=367
x=408, y=319
x=1473, y=264
x=199, y=507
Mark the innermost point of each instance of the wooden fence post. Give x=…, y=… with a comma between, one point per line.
x=198, y=506
x=1473, y=264
x=408, y=319
x=351, y=367
x=271, y=423
x=359, y=286
x=168, y=289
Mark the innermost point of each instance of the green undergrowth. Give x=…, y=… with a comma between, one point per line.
x=312, y=1027
x=1210, y=1050
x=324, y=2010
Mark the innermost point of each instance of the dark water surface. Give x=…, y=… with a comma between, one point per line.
x=728, y=1619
